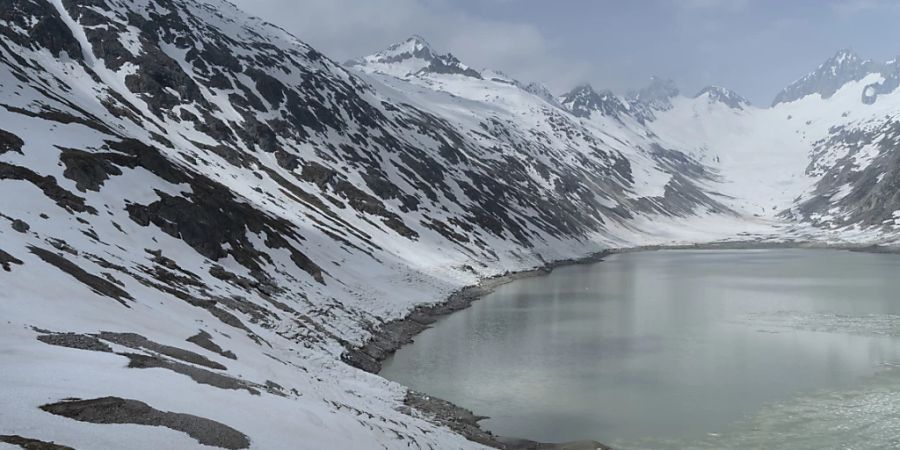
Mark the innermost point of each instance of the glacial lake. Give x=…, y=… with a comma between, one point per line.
x=713, y=349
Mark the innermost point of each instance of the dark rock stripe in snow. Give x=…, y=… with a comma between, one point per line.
x=136, y=341
x=75, y=340
x=114, y=410
x=6, y=259
x=95, y=342
x=10, y=142
x=204, y=340
x=201, y=376
x=97, y=284
x=32, y=444
x=48, y=185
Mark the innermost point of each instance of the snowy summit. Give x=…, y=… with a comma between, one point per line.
x=412, y=57
x=716, y=94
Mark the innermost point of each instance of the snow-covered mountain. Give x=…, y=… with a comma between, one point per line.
x=842, y=68
x=412, y=57
x=584, y=101
x=658, y=94
x=845, y=66
x=717, y=94
x=800, y=160
x=206, y=218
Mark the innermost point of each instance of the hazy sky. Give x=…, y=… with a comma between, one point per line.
x=755, y=47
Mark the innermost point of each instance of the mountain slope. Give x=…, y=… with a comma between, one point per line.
x=202, y=214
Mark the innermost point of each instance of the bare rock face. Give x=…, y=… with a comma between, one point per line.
x=583, y=101
x=20, y=225
x=88, y=170
x=6, y=261
x=48, y=30
x=10, y=142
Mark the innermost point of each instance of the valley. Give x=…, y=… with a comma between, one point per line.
x=202, y=217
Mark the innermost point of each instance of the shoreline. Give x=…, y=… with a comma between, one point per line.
x=393, y=335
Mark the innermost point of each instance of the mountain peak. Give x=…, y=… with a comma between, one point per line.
x=718, y=94
x=541, y=91
x=845, y=66
x=844, y=60
x=845, y=55
x=413, y=44
x=414, y=56
x=657, y=94
x=583, y=101
x=418, y=39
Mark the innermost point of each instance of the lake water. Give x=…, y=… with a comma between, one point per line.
x=680, y=349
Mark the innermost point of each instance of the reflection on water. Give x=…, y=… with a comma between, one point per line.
x=679, y=349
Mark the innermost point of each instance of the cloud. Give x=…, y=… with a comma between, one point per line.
x=851, y=7
x=725, y=5
x=345, y=29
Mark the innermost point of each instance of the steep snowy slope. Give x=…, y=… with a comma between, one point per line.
x=608, y=162
x=201, y=214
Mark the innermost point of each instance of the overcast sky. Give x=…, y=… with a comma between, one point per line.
x=755, y=47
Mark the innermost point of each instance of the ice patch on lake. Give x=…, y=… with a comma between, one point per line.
x=863, y=418
x=866, y=325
